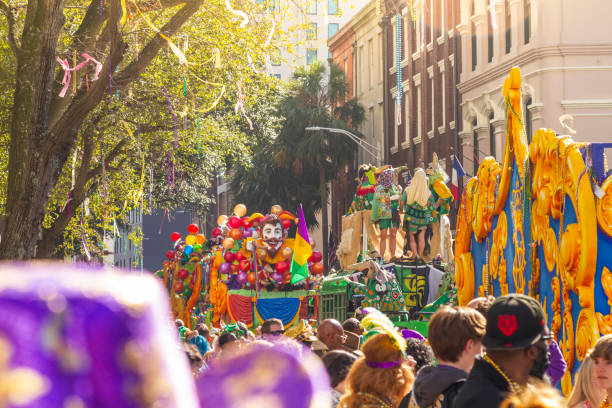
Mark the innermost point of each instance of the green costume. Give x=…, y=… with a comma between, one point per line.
x=382, y=205
x=418, y=217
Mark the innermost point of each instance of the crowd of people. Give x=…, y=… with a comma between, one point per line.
x=492, y=353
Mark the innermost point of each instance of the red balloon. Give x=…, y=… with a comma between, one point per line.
x=216, y=232
x=175, y=236
x=245, y=265
x=282, y=267
x=234, y=222
x=183, y=273
x=239, y=256
x=235, y=234
x=261, y=276
x=315, y=257
x=228, y=256
x=286, y=224
x=234, y=268
x=170, y=254
x=251, y=278
x=179, y=286
x=246, y=223
x=318, y=268
x=193, y=229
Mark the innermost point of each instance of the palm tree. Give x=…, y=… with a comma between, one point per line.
x=315, y=100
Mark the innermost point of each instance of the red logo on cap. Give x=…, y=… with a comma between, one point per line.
x=507, y=324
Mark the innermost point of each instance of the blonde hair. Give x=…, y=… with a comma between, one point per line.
x=418, y=189
x=584, y=387
x=394, y=382
x=538, y=395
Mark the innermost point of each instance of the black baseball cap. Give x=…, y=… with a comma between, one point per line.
x=514, y=321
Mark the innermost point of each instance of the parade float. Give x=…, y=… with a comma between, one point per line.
x=244, y=273
x=540, y=223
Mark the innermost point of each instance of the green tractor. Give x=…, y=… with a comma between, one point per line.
x=401, y=291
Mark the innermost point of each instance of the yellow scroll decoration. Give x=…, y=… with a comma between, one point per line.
x=604, y=207
x=484, y=198
x=497, y=260
x=605, y=322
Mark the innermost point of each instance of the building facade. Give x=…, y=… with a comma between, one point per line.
x=564, y=51
x=420, y=57
x=320, y=19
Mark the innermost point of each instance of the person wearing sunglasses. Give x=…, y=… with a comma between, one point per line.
x=272, y=329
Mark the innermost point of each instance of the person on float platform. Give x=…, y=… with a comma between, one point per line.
x=602, y=357
x=420, y=210
x=517, y=341
x=385, y=199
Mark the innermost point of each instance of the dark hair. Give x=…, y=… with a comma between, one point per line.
x=226, y=338
x=351, y=324
x=265, y=327
x=450, y=328
x=420, y=351
x=243, y=328
x=338, y=364
x=484, y=306
x=193, y=354
x=179, y=323
x=272, y=219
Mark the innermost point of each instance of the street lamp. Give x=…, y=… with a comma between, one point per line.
x=369, y=148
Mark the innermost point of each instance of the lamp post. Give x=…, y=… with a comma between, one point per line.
x=366, y=146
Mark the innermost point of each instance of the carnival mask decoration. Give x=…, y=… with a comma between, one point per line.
x=272, y=233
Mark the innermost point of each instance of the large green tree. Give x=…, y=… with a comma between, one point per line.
x=102, y=140
x=305, y=161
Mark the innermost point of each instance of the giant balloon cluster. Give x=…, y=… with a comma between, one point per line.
x=187, y=252
x=245, y=261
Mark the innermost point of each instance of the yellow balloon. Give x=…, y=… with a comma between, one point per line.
x=240, y=210
x=190, y=239
x=228, y=243
x=286, y=253
x=276, y=209
x=222, y=220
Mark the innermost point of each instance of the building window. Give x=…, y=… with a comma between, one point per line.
x=440, y=17
x=508, y=20
x=312, y=7
x=272, y=5
x=311, y=55
x=431, y=21
x=332, y=7
x=433, y=104
x=474, y=40
x=527, y=14
x=476, y=147
x=332, y=28
x=370, y=63
x=528, y=119
x=311, y=31
x=419, y=114
x=492, y=135
x=407, y=125
x=443, y=77
x=490, y=36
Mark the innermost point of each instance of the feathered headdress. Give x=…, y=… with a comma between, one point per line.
x=376, y=322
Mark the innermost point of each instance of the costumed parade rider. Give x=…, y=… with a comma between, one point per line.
x=385, y=210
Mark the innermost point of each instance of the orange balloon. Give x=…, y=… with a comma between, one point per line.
x=240, y=210
x=222, y=220
x=251, y=278
x=200, y=239
x=318, y=268
x=286, y=253
x=235, y=234
x=228, y=243
x=276, y=209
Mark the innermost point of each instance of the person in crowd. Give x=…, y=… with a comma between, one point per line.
x=196, y=362
x=602, y=358
x=200, y=340
x=586, y=392
x=338, y=363
x=228, y=344
x=455, y=336
x=331, y=334
x=420, y=352
x=380, y=378
x=302, y=333
x=516, y=341
x=180, y=326
x=352, y=325
x=271, y=329
x=482, y=304
x=538, y=395
x=557, y=365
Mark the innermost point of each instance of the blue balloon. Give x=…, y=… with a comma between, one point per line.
x=188, y=250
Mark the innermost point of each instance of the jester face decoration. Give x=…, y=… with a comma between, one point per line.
x=272, y=234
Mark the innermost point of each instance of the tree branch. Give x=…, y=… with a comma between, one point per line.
x=11, y=26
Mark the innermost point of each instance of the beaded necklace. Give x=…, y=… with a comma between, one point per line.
x=605, y=403
x=514, y=387
x=376, y=399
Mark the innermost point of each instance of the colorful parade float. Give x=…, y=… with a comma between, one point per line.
x=540, y=223
x=249, y=271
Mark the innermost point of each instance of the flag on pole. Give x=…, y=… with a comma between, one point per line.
x=301, y=251
x=457, y=172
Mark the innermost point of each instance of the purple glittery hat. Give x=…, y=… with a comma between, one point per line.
x=412, y=334
x=266, y=376
x=85, y=337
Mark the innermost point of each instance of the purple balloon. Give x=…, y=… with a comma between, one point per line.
x=225, y=268
x=277, y=277
x=242, y=277
x=247, y=233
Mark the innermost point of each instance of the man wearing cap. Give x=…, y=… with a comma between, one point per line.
x=516, y=341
